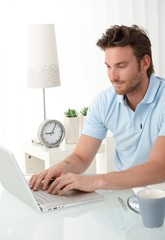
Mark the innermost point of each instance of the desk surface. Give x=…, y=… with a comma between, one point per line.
x=94, y=221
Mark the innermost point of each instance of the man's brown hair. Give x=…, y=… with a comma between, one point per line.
x=133, y=36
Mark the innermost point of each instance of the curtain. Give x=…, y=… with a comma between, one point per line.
x=78, y=25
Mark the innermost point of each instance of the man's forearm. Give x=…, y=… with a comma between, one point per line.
x=75, y=164
x=144, y=174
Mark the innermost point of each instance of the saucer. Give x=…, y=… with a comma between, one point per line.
x=133, y=204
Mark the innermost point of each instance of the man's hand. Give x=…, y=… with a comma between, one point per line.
x=66, y=173
x=71, y=181
x=46, y=176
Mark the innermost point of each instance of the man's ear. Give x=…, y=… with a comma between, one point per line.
x=146, y=61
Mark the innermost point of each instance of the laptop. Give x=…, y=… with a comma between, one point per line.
x=14, y=181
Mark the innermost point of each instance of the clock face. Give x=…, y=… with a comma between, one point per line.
x=51, y=133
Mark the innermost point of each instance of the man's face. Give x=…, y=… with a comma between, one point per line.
x=125, y=73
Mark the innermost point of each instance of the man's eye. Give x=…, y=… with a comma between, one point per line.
x=122, y=66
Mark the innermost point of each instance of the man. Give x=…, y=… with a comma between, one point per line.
x=133, y=109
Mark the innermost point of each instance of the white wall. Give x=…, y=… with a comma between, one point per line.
x=78, y=23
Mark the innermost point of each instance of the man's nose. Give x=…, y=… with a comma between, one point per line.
x=113, y=75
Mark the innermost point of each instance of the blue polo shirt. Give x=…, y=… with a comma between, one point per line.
x=135, y=132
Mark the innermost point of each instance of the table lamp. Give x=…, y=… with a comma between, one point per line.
x=43, y=68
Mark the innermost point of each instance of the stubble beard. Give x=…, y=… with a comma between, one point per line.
x=132, y=86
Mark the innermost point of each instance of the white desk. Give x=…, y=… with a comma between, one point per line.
x=38, y=157
x=101, y=220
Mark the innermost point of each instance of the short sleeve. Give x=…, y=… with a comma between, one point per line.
x=94, y=124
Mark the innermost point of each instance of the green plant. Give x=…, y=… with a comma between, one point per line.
x=71, y=113
x=84, y=111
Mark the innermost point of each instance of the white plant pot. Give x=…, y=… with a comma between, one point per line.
x=81, y=123
x=71, y=129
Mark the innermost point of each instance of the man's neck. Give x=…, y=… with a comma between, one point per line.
x=135, y=98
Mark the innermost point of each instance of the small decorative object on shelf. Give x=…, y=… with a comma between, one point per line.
x=83, y=112
x=71, y=113
x=51, y=133
x=71, y=124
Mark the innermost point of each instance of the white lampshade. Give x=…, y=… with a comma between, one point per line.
x=43, y=68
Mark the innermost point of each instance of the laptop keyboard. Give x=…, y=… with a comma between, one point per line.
x=43, y=197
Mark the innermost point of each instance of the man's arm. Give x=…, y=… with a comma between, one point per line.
x=77, y=162
x=83, y=154
x=153, y=171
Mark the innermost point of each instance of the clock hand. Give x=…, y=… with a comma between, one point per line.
x=53, y=129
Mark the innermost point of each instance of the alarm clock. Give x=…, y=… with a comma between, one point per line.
x=51, y=133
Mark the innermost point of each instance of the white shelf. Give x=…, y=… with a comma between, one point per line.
x=37, y=157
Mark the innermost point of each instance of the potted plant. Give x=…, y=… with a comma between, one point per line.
x=71, y=113
x=84, y=111
x=71, y=124
x=82, y=117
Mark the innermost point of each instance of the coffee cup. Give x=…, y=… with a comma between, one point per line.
x=152, y=207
